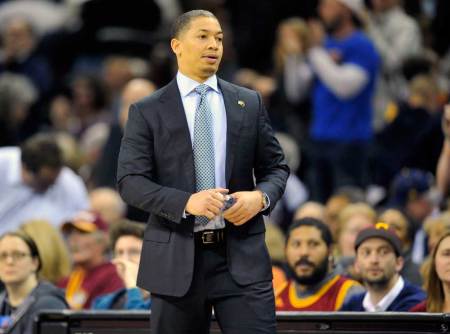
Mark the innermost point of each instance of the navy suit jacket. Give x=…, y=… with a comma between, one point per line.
x=410, y=296
x=156, y=174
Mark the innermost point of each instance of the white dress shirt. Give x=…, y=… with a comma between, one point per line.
x=19, y=203
x=190, y=101
x=387, y=300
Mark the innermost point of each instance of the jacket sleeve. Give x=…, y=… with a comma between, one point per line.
x=136, y=177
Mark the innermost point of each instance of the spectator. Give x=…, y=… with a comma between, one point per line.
x=312, y=286
x=333, y=207
x=395, y=146
x=397, y=37
x=126, y=239
x=19, y=54
x=310, y=209
x=25, y=295
x=411, y=192
x=353, y=219
x=437, y=283
x=38, y=185
x=17, y=95
x=55, y=260
x=108, y=204
x=434, y=228
x=400, y=224
x=103, y=174
x=379, y=262
x=93, y=275
x=344, y=65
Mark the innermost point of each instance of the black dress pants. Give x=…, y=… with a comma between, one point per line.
x=248, y=309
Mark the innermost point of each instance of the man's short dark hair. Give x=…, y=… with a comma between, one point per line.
x=325, y=232
x=40, y=151
x=126, y=227
x=182, y=21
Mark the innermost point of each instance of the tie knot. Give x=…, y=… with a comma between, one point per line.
x=202, y=89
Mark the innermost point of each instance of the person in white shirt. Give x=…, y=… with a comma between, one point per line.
x=379, y=262
x=35, y=184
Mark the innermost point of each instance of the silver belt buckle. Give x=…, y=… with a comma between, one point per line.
x=208, y=237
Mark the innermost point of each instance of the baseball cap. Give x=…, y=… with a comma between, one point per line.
x=85, y=221
x=356, y=6
x=383, y=231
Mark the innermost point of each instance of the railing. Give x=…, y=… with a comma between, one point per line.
x=137, y=322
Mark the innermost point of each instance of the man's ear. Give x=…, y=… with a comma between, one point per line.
x=176, y=46
x=399, y=262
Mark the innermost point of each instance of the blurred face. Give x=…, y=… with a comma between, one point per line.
x=307, y=255
x=376, y=262
x=18, y=38
x=199, y=48
x=435, y=233
x=332, y=209
x=332, y=14
x=398, y=223
x=383, y=5
x=84, y=247
x=349, y=232
x=129, y=248
x=42, y=180
x=16, y=263
x=442, y=261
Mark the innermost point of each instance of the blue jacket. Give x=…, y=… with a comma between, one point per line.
x=134, y=300
x=410, y=296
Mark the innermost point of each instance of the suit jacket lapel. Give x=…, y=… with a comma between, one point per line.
x=235, y=115
x=174, y=119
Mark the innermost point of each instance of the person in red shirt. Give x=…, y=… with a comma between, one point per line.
x=313, y=286
x=93, y=274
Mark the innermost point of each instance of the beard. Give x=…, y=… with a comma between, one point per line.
x=318, y=274
x=377, y=283
x=333, y=25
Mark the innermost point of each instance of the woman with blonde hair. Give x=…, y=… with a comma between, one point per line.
x=52, y=249
x=352, y=219
x=437, y=283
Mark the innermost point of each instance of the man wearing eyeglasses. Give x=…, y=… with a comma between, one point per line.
x=126, y=240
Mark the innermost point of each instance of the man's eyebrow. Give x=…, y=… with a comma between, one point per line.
x=206, y=30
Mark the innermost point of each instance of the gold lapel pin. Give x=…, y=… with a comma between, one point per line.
x=241, y=103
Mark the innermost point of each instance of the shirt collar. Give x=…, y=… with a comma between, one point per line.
x=186, y=85
x=387, y=300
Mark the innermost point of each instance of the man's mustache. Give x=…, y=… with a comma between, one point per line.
x=304, y=261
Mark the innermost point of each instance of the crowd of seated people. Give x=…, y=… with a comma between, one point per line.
x=67, y=81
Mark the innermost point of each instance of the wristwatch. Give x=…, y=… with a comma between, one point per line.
x=265, y=201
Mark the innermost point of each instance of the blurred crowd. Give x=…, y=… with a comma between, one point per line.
x=357, y=92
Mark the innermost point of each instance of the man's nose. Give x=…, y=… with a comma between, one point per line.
x=213, y=43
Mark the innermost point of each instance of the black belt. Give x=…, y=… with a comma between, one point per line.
x=210, y=237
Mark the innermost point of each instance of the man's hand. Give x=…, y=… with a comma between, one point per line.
x=128, y=271
x=248, y=204
x=316, y=32
x=206, y=203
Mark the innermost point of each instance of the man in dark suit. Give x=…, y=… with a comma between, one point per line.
x=186, y=149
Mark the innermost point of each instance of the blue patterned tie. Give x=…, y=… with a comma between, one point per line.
x=203, y=146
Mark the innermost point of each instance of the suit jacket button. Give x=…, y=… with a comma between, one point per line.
x=191, y=234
